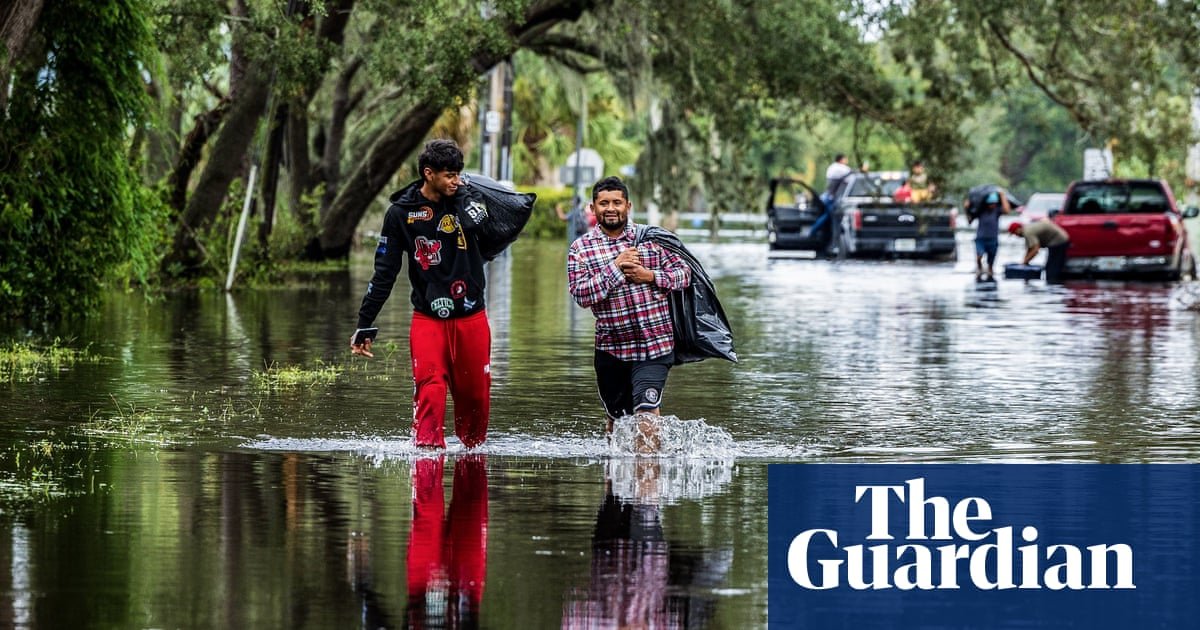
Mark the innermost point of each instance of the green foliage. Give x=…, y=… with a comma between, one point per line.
x=708, y=68
x=1122, y=69
x=27, y=363
x=545, y=222
x=546, y=109
x=292, y=376
x=187, y=33
x=73, y=211
x=427, y=47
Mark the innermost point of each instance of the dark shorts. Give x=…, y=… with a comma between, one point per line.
x=984, y=245
x=627, y=387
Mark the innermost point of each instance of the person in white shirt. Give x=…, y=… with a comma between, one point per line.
x=838, y=170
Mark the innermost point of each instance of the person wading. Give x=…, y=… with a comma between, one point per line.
x=626, y=288
x=450, y=338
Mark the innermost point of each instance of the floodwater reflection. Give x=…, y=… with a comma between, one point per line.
x=447, y=552
x=638, y=578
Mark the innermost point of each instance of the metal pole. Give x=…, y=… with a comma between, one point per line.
x=506, y=166
x=241, y=228
x=484, y=148
x=581, y=123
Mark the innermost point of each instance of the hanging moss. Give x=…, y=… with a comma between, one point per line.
x=72, y=210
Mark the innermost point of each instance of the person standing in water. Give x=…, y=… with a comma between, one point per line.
x=626, y=287
x=450, y=338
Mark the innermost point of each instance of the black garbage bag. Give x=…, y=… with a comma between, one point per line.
x=701, y=329
x=976, y=195
x=493, y=212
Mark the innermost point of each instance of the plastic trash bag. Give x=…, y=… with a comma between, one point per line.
x=495, y=213
x=701, y=328
x=976, y=195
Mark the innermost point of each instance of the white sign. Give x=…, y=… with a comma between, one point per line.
x=587, y=175
x=491, y=121
x=1097, y=164
x=591, y=167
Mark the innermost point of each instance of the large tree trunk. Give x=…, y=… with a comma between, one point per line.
x=300, y=180
x=383, y=160
x=18, y=18
x=394, y=145
x=224, y=164
x=331, y=157
x=203, y=127
x=270, y=177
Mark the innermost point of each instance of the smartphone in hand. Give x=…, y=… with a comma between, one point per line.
x=362, y=335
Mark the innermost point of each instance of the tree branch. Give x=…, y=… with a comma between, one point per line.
x=1032, y=70
x=565, y=58
x=562, y=41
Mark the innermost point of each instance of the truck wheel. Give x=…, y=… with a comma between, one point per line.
x=1187, y=267
x=843, y=246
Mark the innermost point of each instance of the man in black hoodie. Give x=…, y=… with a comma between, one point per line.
x=450, y=338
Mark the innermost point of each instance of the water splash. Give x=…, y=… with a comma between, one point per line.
x=678, y=440
x=669, y=436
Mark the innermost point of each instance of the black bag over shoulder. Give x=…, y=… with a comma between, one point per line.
x=683, y=304
x=701, y=329
x=504, y=214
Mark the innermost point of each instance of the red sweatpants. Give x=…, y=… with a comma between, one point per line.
x=451, y=355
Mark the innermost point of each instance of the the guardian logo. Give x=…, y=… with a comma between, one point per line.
x=1062, y=546
x=950, y=546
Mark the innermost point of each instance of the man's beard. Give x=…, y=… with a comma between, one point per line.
x=620, y=223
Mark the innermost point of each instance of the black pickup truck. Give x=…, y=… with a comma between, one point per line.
x=863, y=220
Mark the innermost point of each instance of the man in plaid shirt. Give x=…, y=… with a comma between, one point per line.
x=626, y=287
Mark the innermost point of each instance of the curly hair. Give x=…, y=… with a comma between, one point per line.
x=440, y=155
x=611, y=182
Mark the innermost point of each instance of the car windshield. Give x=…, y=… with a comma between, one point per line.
x=1117, y=198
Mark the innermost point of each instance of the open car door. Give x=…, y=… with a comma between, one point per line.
x=797, y=217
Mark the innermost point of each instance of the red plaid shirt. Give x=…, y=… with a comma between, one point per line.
x=633, y=321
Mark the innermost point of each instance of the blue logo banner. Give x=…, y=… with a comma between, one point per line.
x=984, y=546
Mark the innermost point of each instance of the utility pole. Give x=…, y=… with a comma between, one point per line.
x=580, y=129
x=652, y=210
x=506, y=162
x=1193, y=156
x=494, y=149
x=484, y=146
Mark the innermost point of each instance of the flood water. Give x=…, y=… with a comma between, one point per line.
x=167, y=486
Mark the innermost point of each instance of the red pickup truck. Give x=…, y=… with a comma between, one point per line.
x=1123, y=227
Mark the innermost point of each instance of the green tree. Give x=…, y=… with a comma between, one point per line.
x=73, y=214
x=1123, y=70
x=546, y=111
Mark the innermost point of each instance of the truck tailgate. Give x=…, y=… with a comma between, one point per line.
x=905, y=220
x=1119, y=234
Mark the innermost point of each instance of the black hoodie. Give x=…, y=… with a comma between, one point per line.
x=446, y=264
